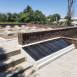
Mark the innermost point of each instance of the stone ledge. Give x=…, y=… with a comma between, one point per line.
x=26, y=38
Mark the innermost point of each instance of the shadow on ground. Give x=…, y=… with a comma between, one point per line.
x=17, y=72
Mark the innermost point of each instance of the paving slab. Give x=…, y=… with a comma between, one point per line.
x=8, y=45
x=64, y=66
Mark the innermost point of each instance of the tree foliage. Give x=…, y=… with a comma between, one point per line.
x=28, y=15
x=28, y=9
x=3, y=17
x=39, y=17
x=55, y=17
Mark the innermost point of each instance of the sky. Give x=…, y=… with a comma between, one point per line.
x=48, y=7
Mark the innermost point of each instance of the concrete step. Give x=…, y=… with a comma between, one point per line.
x=18, y=69
x=6, y=54
x=11, y=61
x=29, y=72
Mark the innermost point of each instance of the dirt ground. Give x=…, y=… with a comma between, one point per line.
x=12, y=32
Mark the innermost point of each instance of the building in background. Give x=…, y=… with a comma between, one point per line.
x=74, y=21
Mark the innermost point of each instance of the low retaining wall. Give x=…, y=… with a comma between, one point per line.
x=12, y=25
x=37, y=25
x=26, y=38
x=46, y=26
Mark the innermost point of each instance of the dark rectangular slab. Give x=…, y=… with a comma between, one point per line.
x=41, y=50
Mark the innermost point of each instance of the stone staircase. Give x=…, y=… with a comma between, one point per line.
x=12, y=63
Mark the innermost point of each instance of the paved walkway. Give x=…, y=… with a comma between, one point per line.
x=9, y=45
x=64, y=66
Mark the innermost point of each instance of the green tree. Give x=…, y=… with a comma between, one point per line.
x=21, y=17
x=48, y=17
x=52, y=18
x=55, y=17
x=28, y=14
x=15, y=17
x=3, y=17
x=29, y=17
x=39, y=17
x=10, y=17
x=28, y=9
x=66, y=17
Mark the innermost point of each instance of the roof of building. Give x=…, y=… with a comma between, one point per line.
x=74, y=18
x=62, y=20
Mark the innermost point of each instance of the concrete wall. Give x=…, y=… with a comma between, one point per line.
x=26, y=38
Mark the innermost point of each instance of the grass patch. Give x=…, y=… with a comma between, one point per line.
x=74, y=37
x=11, y=23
